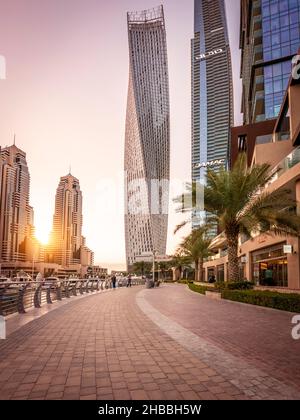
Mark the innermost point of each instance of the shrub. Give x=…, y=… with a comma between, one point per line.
x=220, y=285
x=185, y=281
x=241, y=285
x=269, y=299
x=199, y=289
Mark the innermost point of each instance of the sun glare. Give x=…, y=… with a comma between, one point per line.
x=42, y=235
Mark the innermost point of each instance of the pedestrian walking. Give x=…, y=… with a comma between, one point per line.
x=129, y=279
x=114, y=281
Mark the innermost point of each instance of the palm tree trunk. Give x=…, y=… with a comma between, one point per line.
x=200, y=270
x=196, y=271
x=233, y=259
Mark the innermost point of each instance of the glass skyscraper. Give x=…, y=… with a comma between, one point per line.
x=147, y=140
x=212, y=93
x=270, y=37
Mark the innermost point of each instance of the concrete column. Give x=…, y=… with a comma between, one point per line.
x=294, y=264
x=298, y=197
x=249, y=267
x=294, y=259
x=226, y=272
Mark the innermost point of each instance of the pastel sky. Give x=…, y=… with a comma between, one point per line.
x=65, y=98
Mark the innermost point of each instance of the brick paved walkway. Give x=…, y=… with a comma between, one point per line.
x=131, y=344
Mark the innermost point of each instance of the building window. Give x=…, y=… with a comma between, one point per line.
x=242, y=143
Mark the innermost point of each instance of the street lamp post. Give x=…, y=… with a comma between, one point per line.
x=153, y=267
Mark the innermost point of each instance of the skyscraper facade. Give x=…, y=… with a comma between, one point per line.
x=16, y=215
x=147, y=139
x=212, y=92
x=270, y=37
x=66, y=237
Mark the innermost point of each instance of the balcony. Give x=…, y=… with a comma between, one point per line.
x=285, y=165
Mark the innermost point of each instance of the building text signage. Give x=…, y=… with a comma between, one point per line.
x=209, y=54
x=211, y=164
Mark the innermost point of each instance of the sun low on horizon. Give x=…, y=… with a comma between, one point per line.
x=42, y=234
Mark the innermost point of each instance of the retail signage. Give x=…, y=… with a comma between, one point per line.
x=209, y=54
x=288, y=249
x=210, y=164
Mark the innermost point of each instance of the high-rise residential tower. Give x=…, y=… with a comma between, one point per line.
x=212, y=92
x=16, y=215
x=66, y=237
x=147, y=143
x=270, y=37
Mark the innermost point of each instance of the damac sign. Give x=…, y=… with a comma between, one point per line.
x=210, y=164
x=209, y=54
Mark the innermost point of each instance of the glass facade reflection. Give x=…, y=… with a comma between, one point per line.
x=212, y=93
x=270, y=37
x=281, y=38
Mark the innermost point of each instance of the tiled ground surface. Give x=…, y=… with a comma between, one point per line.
x=106, y=347
x=260, y=336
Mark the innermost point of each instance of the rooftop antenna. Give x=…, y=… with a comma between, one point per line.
x=70, y=170
x=14, y=139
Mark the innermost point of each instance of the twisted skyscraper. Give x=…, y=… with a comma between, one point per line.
x=147, y=145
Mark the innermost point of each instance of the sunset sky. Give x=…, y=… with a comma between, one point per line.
x=65, y=98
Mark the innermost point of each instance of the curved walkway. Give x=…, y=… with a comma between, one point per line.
x=151, y=344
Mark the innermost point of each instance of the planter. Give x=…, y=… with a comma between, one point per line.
x=214, y=295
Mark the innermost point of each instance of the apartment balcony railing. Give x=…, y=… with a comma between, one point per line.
x=286, y=164
x=18, y=297
x=221, y=254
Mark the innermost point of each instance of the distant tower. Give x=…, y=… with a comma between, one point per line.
x=147, y=148
x=66, y=238
x=212, y=91
x=16, y=215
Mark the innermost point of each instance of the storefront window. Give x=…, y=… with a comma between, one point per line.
x=270, y=267
x=220, y=273
x=211, y=277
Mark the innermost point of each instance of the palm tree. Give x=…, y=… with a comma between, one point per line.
x=142, y=267
x=164, y=267
x=178, y=262
x=238, y=202
x=195, y=248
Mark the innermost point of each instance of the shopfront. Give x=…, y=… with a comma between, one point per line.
x=242, y=268
x=211, y=275
x=220, y=273
x=270, y=266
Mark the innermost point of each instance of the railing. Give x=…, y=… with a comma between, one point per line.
x=18, y=297
x=286, y=164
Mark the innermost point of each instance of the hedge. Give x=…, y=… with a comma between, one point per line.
x=269, y=299
x=185, y=282
x=199, y=289
x=240, y=285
